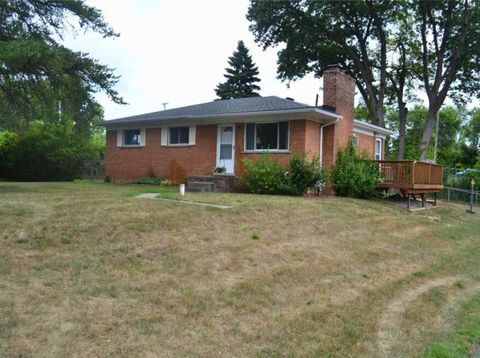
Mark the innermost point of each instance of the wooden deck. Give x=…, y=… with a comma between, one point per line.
x=411, y=176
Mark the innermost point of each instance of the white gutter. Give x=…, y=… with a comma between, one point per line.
x=371, y=127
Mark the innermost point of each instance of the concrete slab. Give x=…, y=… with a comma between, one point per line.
x=156, y=196
x=147, y=196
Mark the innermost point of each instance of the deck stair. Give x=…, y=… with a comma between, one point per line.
x=198, y=186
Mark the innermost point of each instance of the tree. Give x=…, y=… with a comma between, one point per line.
x=319, y=33
x=241, y=76
x=387, y=46
x=448, y=52
x=37, y=73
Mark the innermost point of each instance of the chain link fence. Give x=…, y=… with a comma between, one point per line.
x=93, y=170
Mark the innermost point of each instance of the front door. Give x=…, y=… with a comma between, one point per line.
x=226, y=147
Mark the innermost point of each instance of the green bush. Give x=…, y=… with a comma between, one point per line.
x=303, y=174
x=45, y=152
x=355, y=173
x=266, y=176
x=148, y=180
x=263, y=176
x=166, y=182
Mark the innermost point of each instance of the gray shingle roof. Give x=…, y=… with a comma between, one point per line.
x=227, y=106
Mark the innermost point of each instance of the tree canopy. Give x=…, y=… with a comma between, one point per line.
x=37, y=73
x=390, y=48
x=242, y=76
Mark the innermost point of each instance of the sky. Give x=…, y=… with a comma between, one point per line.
x=177, y=51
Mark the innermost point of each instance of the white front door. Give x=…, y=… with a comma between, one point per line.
x=226, y=147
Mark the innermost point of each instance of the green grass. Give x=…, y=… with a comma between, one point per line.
x=464, y=336
x=87, y=269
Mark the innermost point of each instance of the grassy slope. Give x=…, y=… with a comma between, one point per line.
x=86, y=269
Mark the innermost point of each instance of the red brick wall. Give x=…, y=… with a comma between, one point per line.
x=367, y=143
x=177, y=162
x=338, y=92
x=170, y=162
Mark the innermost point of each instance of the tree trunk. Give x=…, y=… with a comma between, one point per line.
x=403, y=112
x=427, y=132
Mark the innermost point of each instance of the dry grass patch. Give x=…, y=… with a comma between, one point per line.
x=87, y=269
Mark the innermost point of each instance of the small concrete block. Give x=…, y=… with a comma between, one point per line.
x=147, y=196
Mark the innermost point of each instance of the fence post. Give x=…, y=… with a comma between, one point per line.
x=472, y=183
x=448, y=194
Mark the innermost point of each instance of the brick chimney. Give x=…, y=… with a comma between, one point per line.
x=339, y=93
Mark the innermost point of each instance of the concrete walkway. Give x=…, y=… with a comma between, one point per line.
x=156, y=196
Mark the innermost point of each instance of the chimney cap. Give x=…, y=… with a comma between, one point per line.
x=334, y=66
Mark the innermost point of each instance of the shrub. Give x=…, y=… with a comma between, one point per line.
x=44, y=152
x=266, y=176
x=166, y=182
x=263, y=176
x=148, y=180
x=303, y=174
x=355, y=174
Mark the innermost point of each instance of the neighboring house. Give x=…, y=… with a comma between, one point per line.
x=195, y=140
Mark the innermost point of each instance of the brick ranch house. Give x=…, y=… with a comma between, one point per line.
x=193, y=141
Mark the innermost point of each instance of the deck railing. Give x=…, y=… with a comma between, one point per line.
x=409, y=174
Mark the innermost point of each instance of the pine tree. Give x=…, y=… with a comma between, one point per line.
x=241, y=76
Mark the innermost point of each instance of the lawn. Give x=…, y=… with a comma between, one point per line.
x=89, y=270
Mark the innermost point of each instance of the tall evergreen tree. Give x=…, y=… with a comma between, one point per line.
x=241, y=76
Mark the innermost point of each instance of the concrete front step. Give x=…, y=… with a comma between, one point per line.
x=197, y=186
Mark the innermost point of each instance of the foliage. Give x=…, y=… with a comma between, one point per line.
x=40, y=76
x=390, y=48
x=464, y=181
x=45, y=152
x=265, y=176
x=303, y=174
x=241, y=76
x=148, y=180
x=355, y=174
x=166, y=182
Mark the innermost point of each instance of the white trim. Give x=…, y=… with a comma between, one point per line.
x=321, y=140
x=357, y=140
x=219, y=127
x=372, y=128
x=163, y=136
x=378, y=139
x=121, y=138
x=192, y=135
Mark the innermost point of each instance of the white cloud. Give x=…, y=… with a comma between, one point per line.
x=177, y=51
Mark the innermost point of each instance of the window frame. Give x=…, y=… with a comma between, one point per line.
x=378, y=140
x=178, y=144
x=139, y=137
x=256, y=150
x=355, y=140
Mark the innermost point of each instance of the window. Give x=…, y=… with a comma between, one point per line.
x=355, y=140
x=266, y=136
x=131, y=137
x=178, y=135
x=378, y=148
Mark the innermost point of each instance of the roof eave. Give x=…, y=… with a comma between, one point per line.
x=311, y=113
x=371, y=127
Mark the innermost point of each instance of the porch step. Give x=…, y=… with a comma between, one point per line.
x=198, y=186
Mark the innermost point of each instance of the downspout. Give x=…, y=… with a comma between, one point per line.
x=321, y=139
